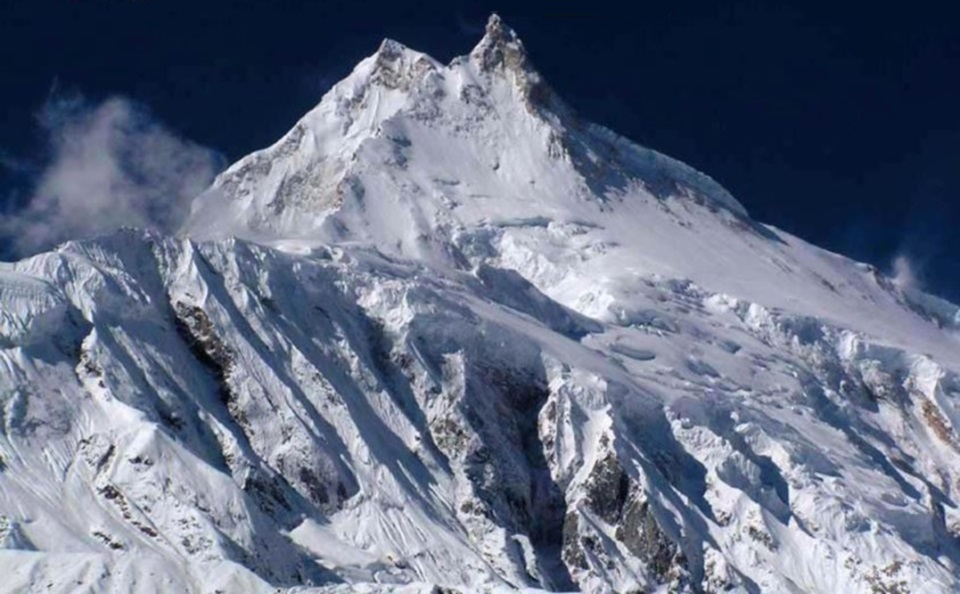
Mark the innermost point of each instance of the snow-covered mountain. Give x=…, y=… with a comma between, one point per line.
x=446, y=334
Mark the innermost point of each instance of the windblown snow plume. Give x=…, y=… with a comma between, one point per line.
x=446, y=336
x=904, y=272
x=111, y=165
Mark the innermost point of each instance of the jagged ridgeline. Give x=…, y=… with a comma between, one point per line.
x=447, y=336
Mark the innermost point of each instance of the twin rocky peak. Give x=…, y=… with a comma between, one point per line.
x=408, y=139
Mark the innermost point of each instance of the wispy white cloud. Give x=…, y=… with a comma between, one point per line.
x=110, y=165
x=905, y=273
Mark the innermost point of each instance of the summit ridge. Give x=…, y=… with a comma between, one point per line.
x=500, y=46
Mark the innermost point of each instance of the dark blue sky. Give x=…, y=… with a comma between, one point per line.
x=837, y=123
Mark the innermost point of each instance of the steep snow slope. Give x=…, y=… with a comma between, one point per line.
x=468, y=339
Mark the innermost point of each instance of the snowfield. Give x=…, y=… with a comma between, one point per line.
x=445, y=336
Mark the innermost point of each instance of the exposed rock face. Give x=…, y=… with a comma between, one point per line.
x=607, y=489
x=639, y=531
x=500, y=48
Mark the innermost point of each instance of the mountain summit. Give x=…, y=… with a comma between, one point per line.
x=445, y=335
x=403, y=109
x=500, y=48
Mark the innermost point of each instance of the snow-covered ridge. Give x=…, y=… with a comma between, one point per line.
x=294, y=188
x=466, y=340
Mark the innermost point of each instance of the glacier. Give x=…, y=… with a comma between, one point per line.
x=447, y=336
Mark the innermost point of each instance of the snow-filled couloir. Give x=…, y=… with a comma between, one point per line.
x=447, y=334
